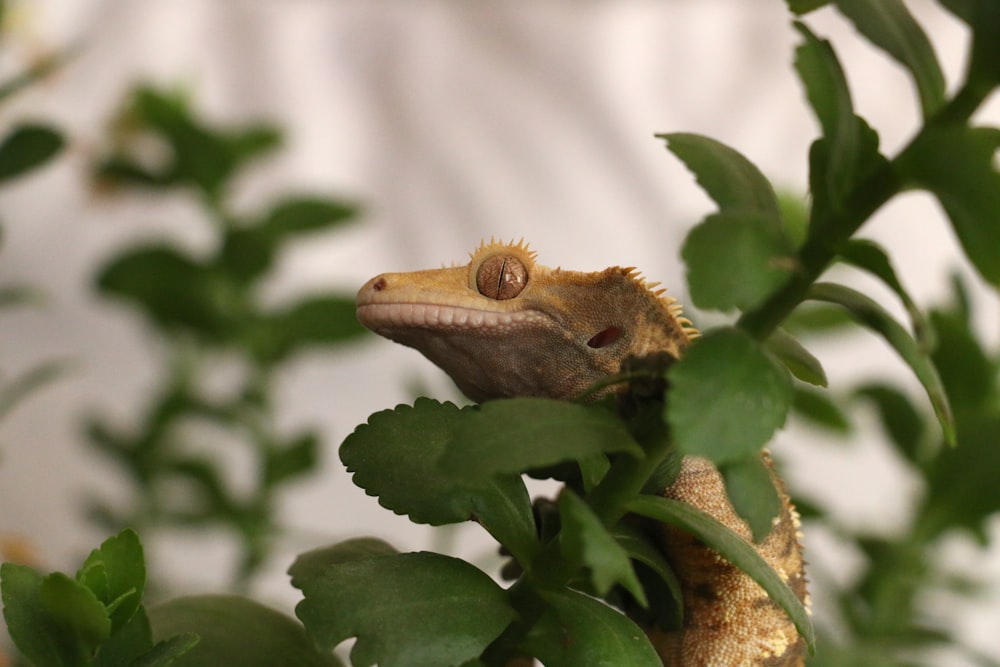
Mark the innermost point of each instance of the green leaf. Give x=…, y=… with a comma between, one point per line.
x=751, y=491
x=80, y=618
x=890, y=26
x=849, y=147
x=311, y=564
x=968, y=374
x=796, y=358
x=116, y=573
x=961, y=483
x=407, y=609
x=579, y=630
x=233, y=631
x=297, y=215
x=127, y=643
x=172, y=290
x=820, y=410
x=956, y=163
x=871, y=257
x=510, y=436
x=802, y=7
x=731, y=546
x=727, y=397
x=984, y=19
x=395, y=457
x=900, y=419
x=873, y=316
x=757, y=256
x=293, y=459
x=732, y=181
x=639, y=547
x=27, y=147
x=584, y=537
x=167, y=652
x=313, y=321
x=32, y=629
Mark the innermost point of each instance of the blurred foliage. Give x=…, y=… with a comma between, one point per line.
x=578, y=560
x=25, y=147
x=207, y=313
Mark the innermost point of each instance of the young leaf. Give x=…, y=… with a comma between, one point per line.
x=872, y=315
x=395, y=457
x=796, y=358
x=757, y=256
x=731, y=546
x=579, y=630
x=127, y=643
x=820, y=410
x=585, y=538
x=121, y=568
x=81, y=619
x=732, y=181
x=639, y=548
x=408, y=609
x=166, y=652
x=967, y=372
x=956, y=163
x=849, y=147
x=26, y=147
x=510, y=436
x=871, y=257
x=900, y=419
x=727, y=397
x=311, y=564
x=890, y=26
x=232, y=630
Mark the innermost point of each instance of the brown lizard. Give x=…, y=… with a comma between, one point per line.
x=504, y=326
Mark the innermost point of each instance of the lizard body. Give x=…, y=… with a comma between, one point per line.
x=504, y=326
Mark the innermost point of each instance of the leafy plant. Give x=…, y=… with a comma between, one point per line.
x=439, y=464
x=577, y=561
x=98, y=618
x=205, y=309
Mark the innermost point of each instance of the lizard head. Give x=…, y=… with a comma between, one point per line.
x=504, y=326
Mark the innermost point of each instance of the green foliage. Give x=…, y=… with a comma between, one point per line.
x=94, y=619
x=724, y=399
x=98, y=619
x=206, y=307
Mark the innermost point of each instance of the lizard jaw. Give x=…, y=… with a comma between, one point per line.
x=386, y=318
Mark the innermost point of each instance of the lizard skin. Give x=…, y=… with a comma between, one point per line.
x=504, y=326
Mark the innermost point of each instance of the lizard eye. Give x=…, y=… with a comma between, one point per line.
x=501, y=277
x=604, y=337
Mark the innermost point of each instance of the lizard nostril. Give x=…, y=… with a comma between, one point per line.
x=379, y=285
x=605, y=337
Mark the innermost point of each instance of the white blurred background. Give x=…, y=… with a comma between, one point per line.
x=450, y=121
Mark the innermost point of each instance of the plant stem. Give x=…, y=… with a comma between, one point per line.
x=830, y=231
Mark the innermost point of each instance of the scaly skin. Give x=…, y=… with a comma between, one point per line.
x=504, y=326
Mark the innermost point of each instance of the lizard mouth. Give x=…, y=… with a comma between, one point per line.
x=390, y=317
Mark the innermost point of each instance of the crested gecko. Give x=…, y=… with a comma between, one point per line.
x=504, y=326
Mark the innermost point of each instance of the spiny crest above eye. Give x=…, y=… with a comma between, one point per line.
x=517, y=249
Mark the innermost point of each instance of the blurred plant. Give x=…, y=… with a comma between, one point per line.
x=25, y=147
x=207, y=310
x=882, y=615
